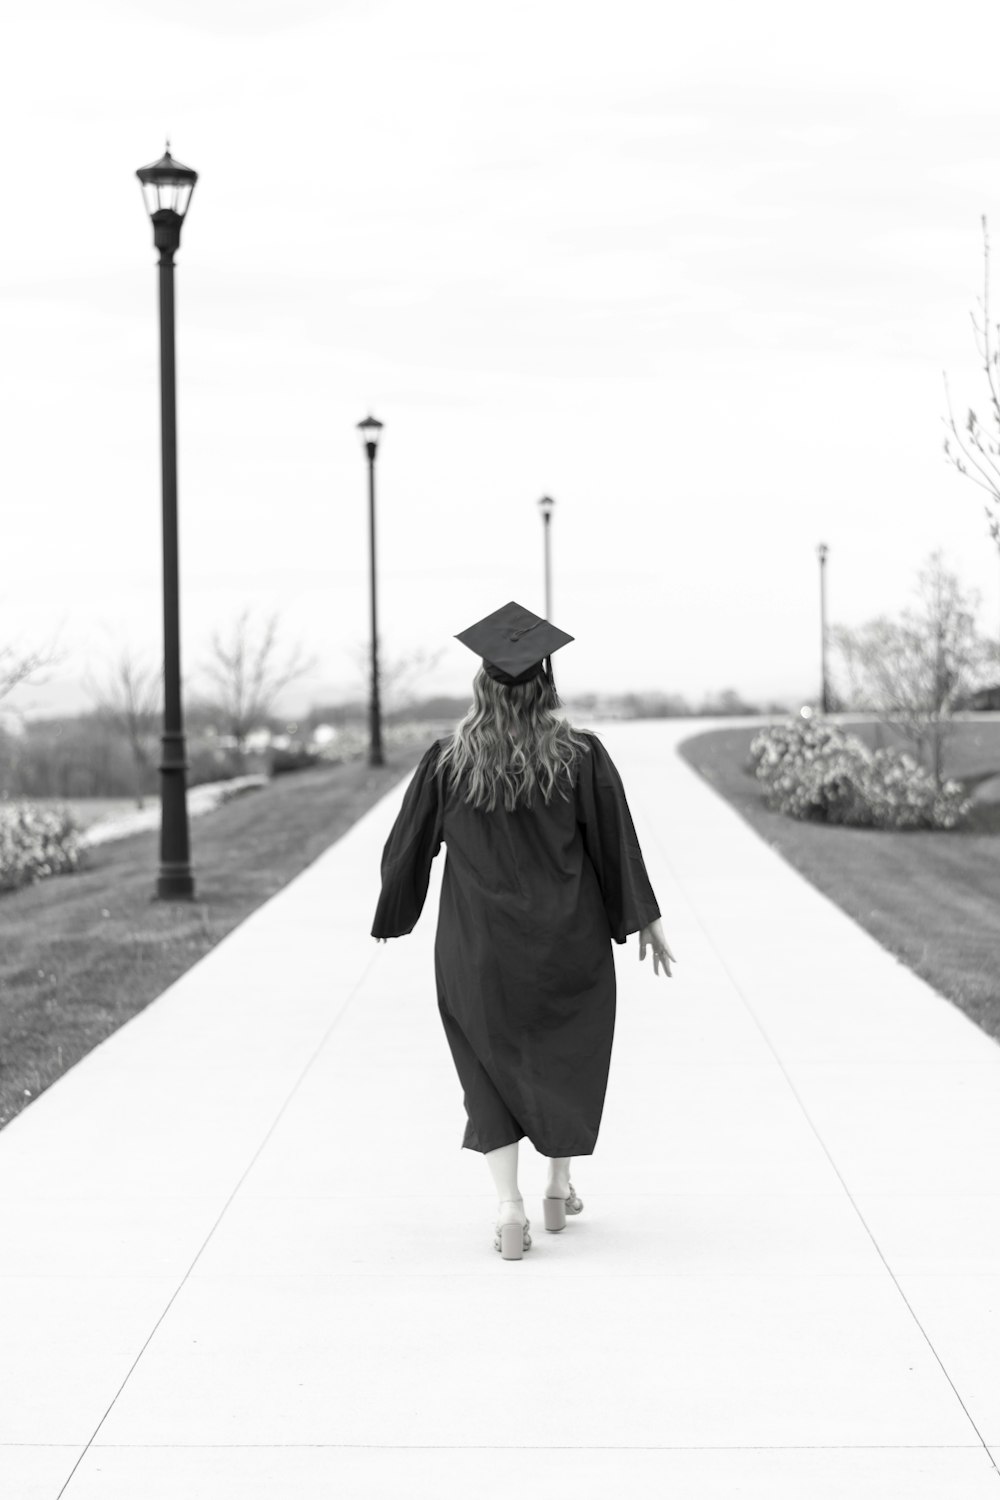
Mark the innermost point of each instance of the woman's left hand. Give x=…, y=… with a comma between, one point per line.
x=654, y=936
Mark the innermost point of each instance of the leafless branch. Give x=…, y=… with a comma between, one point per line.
x=992, y=485
x=130, y=702
x=398, y=675
x=18, y=667
x=248, y=676
x=976, y=449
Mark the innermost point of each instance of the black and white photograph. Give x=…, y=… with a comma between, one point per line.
x=500, y=750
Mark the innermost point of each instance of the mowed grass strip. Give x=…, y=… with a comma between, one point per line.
x=82, y=953
x=931, y=898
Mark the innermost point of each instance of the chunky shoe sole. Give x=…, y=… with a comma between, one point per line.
x=512, y=1240
x=555, y=1210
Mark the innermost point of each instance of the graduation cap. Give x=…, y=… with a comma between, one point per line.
x=513, y=643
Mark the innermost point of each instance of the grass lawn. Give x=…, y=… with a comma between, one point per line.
x=931, y=898
x=81, y=953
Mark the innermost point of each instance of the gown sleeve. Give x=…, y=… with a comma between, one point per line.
x=610, y=840
x=409, y=850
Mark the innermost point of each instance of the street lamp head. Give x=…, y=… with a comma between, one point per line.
x=546, y=505
x=370, y=429
x=167, y=186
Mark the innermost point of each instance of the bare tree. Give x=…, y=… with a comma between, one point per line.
x=976, y=453
x=20, y=667
x=911, y=672
x=130, y=701
x=728, y=701
x=247, y=675
x=398, y=676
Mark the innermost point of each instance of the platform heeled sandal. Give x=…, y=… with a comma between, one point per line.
x=556, y=1209
x=512, y=1239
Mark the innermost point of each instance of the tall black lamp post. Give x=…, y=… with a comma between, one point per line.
x=167, y=187
x=546, y=505
x=822, y=550
x=370, y=429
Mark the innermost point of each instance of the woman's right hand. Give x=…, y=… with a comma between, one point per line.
x=654, y=935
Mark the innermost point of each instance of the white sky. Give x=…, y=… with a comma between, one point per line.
x=693, y=271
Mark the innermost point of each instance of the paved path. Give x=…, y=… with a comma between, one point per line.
x=219, y=1278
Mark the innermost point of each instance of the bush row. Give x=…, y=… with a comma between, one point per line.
x=814, y=770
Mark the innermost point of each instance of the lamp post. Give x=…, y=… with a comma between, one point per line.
x=167, y=186
x=370, y=429
x=822, y=550
x=546, y=505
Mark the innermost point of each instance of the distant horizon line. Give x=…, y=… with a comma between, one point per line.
x=688, y=705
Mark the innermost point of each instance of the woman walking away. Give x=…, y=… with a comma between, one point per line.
x=543, y=872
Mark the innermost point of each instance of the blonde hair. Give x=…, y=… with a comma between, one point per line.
x=512, y=741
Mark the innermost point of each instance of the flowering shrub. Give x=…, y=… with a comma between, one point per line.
x=820, y=772
x=35, y=842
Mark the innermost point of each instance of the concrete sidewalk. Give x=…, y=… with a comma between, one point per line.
x=244, y=1255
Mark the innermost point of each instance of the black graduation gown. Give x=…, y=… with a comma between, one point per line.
x=531, y=901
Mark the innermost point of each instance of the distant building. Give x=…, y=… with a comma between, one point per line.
x=984, y=699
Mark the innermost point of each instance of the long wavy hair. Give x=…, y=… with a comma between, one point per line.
x=512, y=743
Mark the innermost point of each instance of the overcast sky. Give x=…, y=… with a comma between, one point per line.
x=694, y=271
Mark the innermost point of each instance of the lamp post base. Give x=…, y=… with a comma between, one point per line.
x=175, y=879
x=175, y=882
